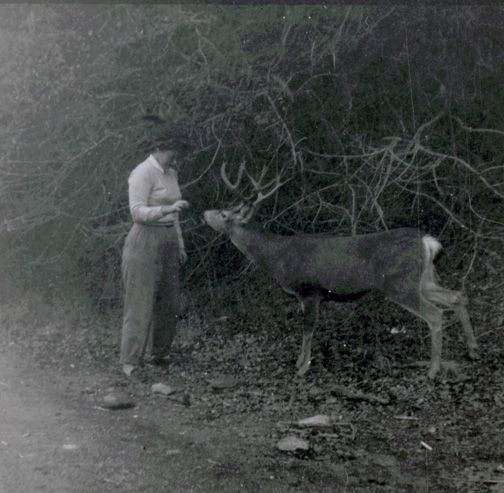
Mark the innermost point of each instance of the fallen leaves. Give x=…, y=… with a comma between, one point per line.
x=357, y=395
x=314, y=428
x=70, y=446
x=161, y=388
x=321, y=420
x=117, y=400
x=292, y=443
x=167, y=391
x=223, y=382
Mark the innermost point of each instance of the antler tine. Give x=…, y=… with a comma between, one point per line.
x=259, y=188
x=256, y=184
x=262, y=196
x=225, y=179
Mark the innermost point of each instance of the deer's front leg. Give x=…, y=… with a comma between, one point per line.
x=434, y=318
x=310, y=307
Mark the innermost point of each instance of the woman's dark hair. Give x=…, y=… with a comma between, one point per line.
x=165, y=136
x=163, y=146
x=170, y=140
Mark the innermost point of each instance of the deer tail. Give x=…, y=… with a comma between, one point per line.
x=431, y=248
x=429, y=283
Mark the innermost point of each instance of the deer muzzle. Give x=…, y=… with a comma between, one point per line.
x=214, y=220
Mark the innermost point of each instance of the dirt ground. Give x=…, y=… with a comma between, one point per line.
x=390, y=432
x=55, y=437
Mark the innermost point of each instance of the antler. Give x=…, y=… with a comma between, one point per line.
x=259, y=188
x=273, y=185
x=225, y=179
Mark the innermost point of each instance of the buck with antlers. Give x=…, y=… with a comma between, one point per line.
x=398, y=262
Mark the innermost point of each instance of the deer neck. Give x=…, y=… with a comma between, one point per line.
x=252, y=244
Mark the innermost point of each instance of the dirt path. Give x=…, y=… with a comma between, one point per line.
x=33, y=435
x=54, y=438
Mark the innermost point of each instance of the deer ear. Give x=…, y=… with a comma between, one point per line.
x=246, y=213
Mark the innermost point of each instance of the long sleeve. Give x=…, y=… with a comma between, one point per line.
x=151, y=189
x=139, y=188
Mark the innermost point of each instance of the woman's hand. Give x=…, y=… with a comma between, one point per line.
x=181, y=204
x=178, y=206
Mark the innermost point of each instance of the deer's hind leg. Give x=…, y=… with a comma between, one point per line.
x=455, y=301
x=310, y=307
x=409, y=297
x=463, y=315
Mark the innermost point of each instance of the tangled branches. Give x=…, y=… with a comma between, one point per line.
x=325, y=99
x=399, y=182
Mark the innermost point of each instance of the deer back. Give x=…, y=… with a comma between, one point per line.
x=342, y=265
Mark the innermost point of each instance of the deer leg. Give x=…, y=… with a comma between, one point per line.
x=463, y=315
x=310, y=307
x=434, y=318
x=446, y=297
x=415, y=303
x=456, y=301
x=302, y=355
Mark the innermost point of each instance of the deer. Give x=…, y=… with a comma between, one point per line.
x=315, y=267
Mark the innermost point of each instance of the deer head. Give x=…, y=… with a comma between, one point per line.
x=222, y=220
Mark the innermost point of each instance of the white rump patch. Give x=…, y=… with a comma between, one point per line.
x=431, y=245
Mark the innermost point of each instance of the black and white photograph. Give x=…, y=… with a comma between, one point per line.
x=252, y=247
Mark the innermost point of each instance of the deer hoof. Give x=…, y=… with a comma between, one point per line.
x=433, y=372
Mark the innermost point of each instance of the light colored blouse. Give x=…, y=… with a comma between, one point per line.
x=150, y=187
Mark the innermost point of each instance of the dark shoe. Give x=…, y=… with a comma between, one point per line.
x=162, y=360
x=159, y=360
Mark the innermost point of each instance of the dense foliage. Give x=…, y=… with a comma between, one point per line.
x=373, y=116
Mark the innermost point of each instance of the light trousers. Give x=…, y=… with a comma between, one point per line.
x=150, y=272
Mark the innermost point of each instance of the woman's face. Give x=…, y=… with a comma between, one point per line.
x=167, y=157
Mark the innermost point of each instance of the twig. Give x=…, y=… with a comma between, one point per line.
x=356, y=395
x=471, y=263
x=426, y=446
x=480, y=130
x=185, y=401
x=465, y=165
x=335, y=435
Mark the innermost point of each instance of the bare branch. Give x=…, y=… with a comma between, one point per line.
x=479, y=130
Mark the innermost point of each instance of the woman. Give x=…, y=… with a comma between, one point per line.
x=152, y=252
